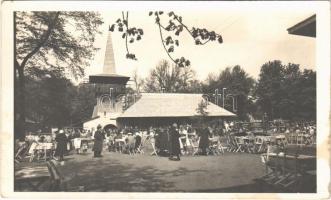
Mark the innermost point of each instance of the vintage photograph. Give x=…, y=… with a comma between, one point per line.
x=188, y=100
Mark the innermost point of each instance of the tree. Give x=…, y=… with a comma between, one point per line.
x=238, y=86
x=269, y=89
x=307, y=96
x=202, y=111
x=138, y=82
x=49, y=100
x=284, y=91
x=171, y=78
x=45, y=41
x=82, y=104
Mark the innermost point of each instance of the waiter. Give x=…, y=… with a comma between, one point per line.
x=174, y=143
x=98, y=141
x=61, y=146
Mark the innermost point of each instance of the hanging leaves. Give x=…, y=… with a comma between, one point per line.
x=175, y=25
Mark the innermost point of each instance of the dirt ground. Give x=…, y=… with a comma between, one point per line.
x=116, y=172
x=230, y=172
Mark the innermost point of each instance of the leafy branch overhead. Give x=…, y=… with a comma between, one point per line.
x=174, y=27
x=130, y=34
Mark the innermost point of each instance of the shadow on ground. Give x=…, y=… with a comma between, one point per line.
x=95, y=176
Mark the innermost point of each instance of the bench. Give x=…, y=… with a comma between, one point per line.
x=58, y=183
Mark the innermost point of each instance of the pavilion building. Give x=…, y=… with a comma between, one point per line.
x=158, y=109
x=150, y=109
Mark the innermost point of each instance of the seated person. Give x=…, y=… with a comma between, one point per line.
x=77, y=134
x=41, y=138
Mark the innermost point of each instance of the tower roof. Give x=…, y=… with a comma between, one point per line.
x=108, y=75
x=109, y=62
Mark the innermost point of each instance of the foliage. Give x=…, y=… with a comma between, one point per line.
x=238, y=86
x=53, y=101
x=48, y=100
x=138, y=82
x=284, y=91
x=171, y=78
x=44, y=42
x=202, y=108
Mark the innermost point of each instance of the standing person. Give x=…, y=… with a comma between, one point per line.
x=130, y=142
x=61, y=146
x=204, y=140
x=174, y=142
x=137, y=144
x=98, y=141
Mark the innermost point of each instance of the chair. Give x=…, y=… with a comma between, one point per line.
x=139, y=146
x=240, y=144
x=300, y=139
x=231, y=143
x=258, y=144
x=195, y=146
x=21, y=152
x=152, y=141
x=272, y=163
x=249, y=144
x=221, y=147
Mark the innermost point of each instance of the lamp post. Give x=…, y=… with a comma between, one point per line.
x=223, y=95
x=216, y=96
x=234, y=108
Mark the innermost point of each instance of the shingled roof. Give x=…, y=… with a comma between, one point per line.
x=171, y=105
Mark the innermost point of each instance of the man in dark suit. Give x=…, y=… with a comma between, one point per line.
x=174, y=143
x=61, y=146
x=98, y=141
x=204, y=139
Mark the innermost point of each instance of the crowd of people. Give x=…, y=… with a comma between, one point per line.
x=172, y=140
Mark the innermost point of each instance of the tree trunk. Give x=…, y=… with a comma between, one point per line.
x=19, y=99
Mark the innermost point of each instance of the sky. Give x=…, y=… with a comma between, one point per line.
x=251, y=37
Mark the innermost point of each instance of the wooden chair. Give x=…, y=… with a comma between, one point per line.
x=139, y=149
x=240, y=144
x=221, y=145
x=231, y=143
x=258, y=144
x=195, y=146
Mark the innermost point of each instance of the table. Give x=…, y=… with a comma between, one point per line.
x=120, y=144
x=33, y=176
x=300, y=163
x=38, y=148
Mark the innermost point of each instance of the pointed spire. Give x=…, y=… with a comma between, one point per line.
x=109, y=63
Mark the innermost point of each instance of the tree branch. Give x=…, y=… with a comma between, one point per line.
x=162, y=40
x=188, y=30
x=42, y=42
x=126, y=32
